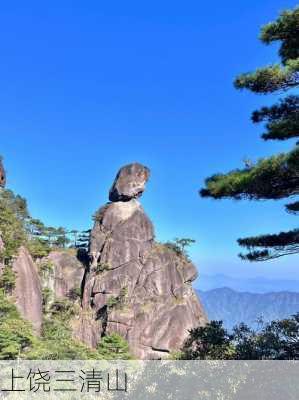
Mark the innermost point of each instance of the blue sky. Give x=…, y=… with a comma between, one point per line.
x=89, y=86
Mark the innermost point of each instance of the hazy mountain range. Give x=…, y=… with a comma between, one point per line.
x=234, y=307
x=254, y=285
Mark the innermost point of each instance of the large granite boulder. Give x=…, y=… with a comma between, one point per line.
x=129, y=182
x=136, y=287
x=65, y=273
x=27, y=291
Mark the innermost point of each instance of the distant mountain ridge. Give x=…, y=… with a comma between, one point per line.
x=234, y=307
x=257, y=284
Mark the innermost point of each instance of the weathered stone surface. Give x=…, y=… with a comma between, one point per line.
x=67, y=273
x=1, y=243
x=1, y=250
x=27, y=290
x=85, y=326
x=129, y=182
x=2, y=175
x=136, y=287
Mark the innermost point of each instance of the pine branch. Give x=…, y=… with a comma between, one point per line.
x=286, y=30
x=270, y=79
x=293, y=208
x=282, y=119
x=271, y=178
x=274, y=246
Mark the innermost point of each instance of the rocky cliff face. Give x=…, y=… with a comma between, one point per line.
x=130, y=284
x=136, y=287
x=27, y=290
x=66, y=273
x=2, y=175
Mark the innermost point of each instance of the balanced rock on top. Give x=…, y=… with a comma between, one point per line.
x=129, y=182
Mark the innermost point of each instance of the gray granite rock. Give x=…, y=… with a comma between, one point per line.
x=129, y=182
x=27, y=291
x=67, y=273
x=136, y=287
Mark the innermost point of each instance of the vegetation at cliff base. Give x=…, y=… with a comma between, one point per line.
x=56, y=342
x=277, y=340
x=13, y=211
x=114, y=347
x=15, y=334
x=275, y=177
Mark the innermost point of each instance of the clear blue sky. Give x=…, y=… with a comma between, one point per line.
x=89, y=86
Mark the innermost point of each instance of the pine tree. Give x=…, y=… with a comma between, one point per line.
x=114, y=347
x=83, y=239
x=275, y=177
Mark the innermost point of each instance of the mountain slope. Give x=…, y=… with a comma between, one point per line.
x=234, y=307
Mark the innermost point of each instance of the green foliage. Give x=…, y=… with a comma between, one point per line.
x=211, y=342
x=101, y=267
x=277, y=340
x=43, y=238
x=82, y=240
x=179, y=246
x=57, y=344
x=113, y=347
x=270, y=79
x=271, y=178
x=61, y=237
x=62, y=309
x=176, y=355
x=117, y=301
x=16, y=203
x=282, y=119
x=15, y=338
x=65, y=349
x=47, y=296
x=34, y=227
x=277, y=77
x=46, y=267
x=38, y=248
x=7, y=279
x=18, y=228
x=123, y=293
x=11, y=225
x=7, y=309
x=74, y=233
x=56, y=341
x=16, y=335
x=285, y=30
x=293, y=208
x=112, y=301
x=274, y=246
x=275, y=177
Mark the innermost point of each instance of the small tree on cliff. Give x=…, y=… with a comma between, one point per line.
x=275, y=177
x=113, y=347
x=11, y=225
